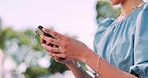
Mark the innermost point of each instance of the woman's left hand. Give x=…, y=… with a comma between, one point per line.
x=68, y=47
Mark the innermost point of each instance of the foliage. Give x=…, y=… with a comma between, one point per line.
x=105, y=9
x=35, y=71
x=25, y=47
x=27, y=38
x=56, y=67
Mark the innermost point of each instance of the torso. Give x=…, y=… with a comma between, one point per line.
x=117, y=42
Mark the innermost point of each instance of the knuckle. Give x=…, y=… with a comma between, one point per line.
x=65, y=46
x=67, y=39
x=51, y=50
x=64, y=51
x=55, y=34
x=64, y=56
x=51, y=40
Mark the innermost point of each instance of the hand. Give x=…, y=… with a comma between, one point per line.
x=68, y=47
x=65, y=61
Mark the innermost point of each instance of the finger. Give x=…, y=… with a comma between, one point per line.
x=52, y=49
x=55, y=58
x=53, y=33
x=42, y=41
x=58, y=60
x=58, y=55
x=52, y=45
x=49, y=44
x=50, y=40
x=50, y=54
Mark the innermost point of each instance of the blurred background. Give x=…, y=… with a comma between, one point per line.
x=21, y=54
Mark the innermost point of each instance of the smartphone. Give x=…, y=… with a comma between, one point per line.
x=39, y=32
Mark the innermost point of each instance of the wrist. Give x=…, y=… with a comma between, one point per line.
x=88, y=54
x=72, y=63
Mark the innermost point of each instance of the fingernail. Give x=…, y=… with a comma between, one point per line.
x=43, y=29
x=41, y=36
x=43, y=45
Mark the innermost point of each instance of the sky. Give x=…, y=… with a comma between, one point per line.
x=75, y=17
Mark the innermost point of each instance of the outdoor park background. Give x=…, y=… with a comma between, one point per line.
x=22, y=56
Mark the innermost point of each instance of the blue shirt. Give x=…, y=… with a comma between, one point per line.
x=124, y=44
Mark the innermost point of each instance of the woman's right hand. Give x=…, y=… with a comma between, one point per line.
x=60, y=60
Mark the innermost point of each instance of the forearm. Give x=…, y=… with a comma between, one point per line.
x=78, y=71
x=104, y=69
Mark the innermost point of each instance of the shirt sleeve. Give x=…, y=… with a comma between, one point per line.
x=101, y=29
x=140, y=67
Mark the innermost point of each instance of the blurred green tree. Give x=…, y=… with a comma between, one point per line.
x=106, y=10
x=24, y=47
